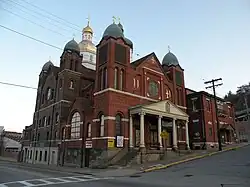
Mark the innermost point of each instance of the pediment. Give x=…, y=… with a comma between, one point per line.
x=166, y=106
x=152, y=62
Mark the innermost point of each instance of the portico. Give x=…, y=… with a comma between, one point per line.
x=148, y=121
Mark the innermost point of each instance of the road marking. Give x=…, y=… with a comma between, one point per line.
x=52, y=181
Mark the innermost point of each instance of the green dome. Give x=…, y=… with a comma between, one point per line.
x=72, y=46
x=120, y=25
x=129, y=42
x=47, y=65
x=114, y=31
x=170, y=59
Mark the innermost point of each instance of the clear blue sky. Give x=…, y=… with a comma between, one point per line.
x=210, y=38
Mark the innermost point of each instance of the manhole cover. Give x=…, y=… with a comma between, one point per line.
x=188, y=175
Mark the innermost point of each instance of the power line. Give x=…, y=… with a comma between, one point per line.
x=19, y=16
x=51, y=14
x=37, y=17
x=45, y=43
x=51, y=22
x=49, y=18
x=17, y=85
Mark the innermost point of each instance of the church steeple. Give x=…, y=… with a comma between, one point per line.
x=87, y=47
x=87, y=32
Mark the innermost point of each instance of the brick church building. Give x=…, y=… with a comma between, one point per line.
x=116, y=109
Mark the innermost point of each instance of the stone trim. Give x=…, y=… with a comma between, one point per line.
x=70, y=71
x=125, y=93
x=61, y=101
x=158, y=113
x=153, y=70
x=183, y=107
x=104, y=138
x=110, y=118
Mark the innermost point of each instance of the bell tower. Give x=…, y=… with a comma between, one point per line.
x=175, y=73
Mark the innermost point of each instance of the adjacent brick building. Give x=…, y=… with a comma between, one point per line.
x=202, y=121
x=100, y=115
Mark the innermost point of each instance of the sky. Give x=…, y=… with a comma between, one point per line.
x=211, y=39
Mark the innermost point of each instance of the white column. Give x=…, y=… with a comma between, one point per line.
x=159, y=130
x=174, y=133
x=131, y=144
x=142, y=142
x=187, y=135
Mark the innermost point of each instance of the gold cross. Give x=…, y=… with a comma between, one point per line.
x=168, y=48
x=88, y=18
x=114, y=19
x=119, y=20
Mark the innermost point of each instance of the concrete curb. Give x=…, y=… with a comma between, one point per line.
x=191, y=159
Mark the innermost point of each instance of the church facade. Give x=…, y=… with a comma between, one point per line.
x=99, y=106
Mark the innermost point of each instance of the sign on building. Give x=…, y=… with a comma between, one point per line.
x=119, y=141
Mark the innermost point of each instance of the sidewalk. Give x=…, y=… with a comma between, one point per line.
x=130, y=170
x=197, y=154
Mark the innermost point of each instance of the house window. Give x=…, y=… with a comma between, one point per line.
x=71, y=86
x=210, y=131
x=116, y=79
x=194, y=104
x=75, y=125
x=118, y=125
x=208, y=105
x=102, y=127
x=89, y=130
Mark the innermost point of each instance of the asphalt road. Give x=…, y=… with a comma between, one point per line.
x=231, y=169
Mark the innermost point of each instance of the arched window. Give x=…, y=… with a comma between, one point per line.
x=57, y=118
x=118, y=123
x=116, y=79
x=49, y=92
x=102, y=127
x=121, y=79
x=75, y=125
x=71, y=86
x=89, y=130
x=45, y=121
x=101, y=79
x=105, y=78
x=71, y=65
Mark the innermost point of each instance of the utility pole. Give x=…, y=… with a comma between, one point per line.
x=216, y=107
x=245, y=91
